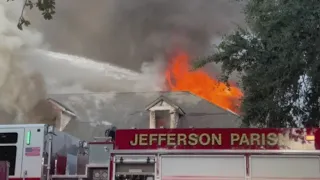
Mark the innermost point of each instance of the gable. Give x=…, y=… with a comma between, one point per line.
x=163, y=103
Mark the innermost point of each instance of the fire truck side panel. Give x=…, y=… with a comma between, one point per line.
x=32, y=158
x=64, y=146
x=26, y=148
x=279, y=167
x=209, y=167
x=13, y=147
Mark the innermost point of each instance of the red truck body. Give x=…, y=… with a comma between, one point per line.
x=218, y=139
x=4, y=170
x=201, y=154
x=216, y=154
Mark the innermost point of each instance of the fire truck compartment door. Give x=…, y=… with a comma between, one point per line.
x=209, y=167
x=135, y=165
x=264, y=167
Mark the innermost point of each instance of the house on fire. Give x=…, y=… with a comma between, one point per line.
x=88, y=115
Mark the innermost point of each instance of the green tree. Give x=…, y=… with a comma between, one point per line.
x=277, y=56
x=46, y=7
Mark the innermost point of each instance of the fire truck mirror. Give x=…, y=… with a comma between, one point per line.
x=50, y=129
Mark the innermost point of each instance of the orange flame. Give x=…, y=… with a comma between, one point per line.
x=180, y=78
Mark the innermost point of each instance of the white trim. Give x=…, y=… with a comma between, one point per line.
x=202, y=156
x=250, y=166
x=135, y=158
x=62, y=108
x=152, y=119
x=319, y=162
x=210, y=151
x=159, y=167
x=279, y=155
x=22, y=125
x=162, y=108
x=113, y=168
x=245, y=167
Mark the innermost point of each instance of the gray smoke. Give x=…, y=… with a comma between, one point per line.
x=129, y=33
x=132, y=34
x=21, y=90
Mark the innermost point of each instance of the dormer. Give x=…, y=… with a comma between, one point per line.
x=163, y=113
x=64, y=114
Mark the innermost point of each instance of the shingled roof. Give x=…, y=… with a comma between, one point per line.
x=128, y=109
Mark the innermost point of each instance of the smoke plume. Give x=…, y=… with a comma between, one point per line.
x=137, y=35
x=129, y=33
x=20, y=90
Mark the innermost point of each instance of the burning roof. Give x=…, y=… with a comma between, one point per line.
x=179, y=77
x=203, y=100
x=126, y=110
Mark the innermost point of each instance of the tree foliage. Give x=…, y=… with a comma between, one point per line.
x=278, y=59
x=46, y=7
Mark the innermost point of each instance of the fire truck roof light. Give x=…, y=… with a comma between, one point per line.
x=310, y=138
x=28, y=138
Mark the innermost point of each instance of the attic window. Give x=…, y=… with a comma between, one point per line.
x=164, y=113
x=162, y=118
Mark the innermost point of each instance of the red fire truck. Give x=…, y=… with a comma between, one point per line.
x=205, y=154
x=189, y=154
x=216, y=154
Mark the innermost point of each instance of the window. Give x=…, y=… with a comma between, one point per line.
x=8, y=138
x=162, y=118
x=8, y=153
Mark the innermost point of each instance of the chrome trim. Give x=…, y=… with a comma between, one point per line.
x=134, y=173
x=250, y=166
x=79, y=176
x=160, y=166
x=245, y=167
x=109, y=177
x=134, y=158
x=127, y=160
x=113, y=168
x=50, y=140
